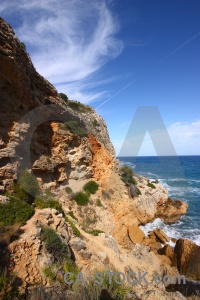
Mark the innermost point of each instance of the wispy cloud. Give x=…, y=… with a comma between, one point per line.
x=69, y=40
x=118, y=92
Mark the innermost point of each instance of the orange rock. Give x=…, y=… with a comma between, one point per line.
x=136, y=234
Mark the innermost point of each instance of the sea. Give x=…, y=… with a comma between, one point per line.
x=180, y=175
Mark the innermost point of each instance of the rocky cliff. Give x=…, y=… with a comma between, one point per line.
x=80, y=214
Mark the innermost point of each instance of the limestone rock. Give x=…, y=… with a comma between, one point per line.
x=188, y=258
x=168, y=252
x=162, y=237
x=136, y=234
x=78, y=244
x=85, y=254
x=133, y=190
x=152, y=243
x=172, y=210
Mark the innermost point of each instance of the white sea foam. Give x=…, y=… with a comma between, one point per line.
x=127, y=163
x=173, y=231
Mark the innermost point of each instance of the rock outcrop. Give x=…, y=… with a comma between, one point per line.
x=188, y=258
x=56, y=155
x=65, y=144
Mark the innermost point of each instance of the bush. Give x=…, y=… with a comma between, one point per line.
x=91, y=187
x=68, y=190
x=95, y=123
x=127, y=175
x=28, y=183
x=76, y=105
x=70, y=266
x=74, y=127
x=41, y=203
x=15, y=212
x=64, y=97
x=22, y=45
x=54, y=244
x=95, y=232
x=151, y=185
x=81, y=198
x=106, y=290
x=99, y=203
x=19, y=193
x=74, y=228
x=49, y=272
x=7, y=289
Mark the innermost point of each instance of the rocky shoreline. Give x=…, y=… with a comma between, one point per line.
x=73, y=207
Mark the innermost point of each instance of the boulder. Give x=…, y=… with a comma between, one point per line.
x=136, y=234
x=133, y=190
x=161, y=236
x=152, y=243
x=171, y=210
x=78, y=244
x=168, y=252
x=188, y=258
x=85, y=254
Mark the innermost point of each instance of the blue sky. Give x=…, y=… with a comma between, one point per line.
x=117, y=56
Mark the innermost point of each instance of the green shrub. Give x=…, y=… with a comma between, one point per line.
x=7, y=289
x=42, y=203
x=64, y=97
x=28, y=183
x=99, y=203
x=54, y=244
x=19, y=193
x=95, y=232
x=76, y=105
x=48, y=160
x=68, y=190
x=22, y=45
x=151, y=185
x=71, y=214
x=74, y=127
x=91, y=187
x=81, y=198
x=70, y=266
x=127, y=175
x=74, y=228
x=138, y=192
x=106, y=290
x=49, y=272
x=15, y=212
x=95, y=123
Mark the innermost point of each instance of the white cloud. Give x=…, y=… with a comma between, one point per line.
x=185, y=137
x=69, y=40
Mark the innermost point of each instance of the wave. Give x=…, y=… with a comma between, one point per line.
x=176, y=231
x=179, y=190
x=127, y=163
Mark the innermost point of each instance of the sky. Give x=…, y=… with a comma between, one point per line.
x=120, y=56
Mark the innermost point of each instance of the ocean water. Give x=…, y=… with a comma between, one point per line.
x=181, y=177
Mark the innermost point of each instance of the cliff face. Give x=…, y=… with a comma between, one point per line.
x=65, y=144
x=52, y=146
